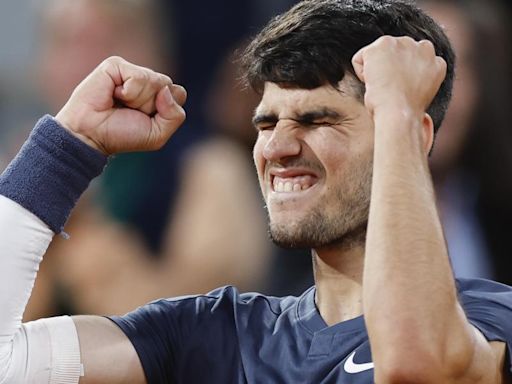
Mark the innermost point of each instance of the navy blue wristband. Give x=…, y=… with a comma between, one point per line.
x=51, y=171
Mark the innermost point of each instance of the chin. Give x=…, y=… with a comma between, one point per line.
x=292, y=235
x=318, y=232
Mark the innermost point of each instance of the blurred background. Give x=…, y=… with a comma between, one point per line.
x=189, y=218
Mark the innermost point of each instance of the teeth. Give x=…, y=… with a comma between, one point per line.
x=295, y=184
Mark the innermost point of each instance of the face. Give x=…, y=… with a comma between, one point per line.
x=314, y=157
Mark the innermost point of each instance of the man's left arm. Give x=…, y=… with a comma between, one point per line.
x=418, y=331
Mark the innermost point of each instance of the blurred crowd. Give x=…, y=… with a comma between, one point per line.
x=189, y=218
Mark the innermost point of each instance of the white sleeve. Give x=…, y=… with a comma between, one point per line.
x=45, y=351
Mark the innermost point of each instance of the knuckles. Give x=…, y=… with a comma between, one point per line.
x=141, y=77
x=112, y=62
x=135, y=73
x=385, y=41
x=400, y=43
x=401, y=61
x=427, y=49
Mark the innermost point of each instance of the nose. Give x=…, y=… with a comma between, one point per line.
x=282, y=143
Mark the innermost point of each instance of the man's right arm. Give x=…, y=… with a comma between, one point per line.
x=38, y=191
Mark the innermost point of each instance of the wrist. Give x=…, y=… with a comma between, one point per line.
x=51, y=171
x=402, y=127
x=69, y=121
x=397, y=109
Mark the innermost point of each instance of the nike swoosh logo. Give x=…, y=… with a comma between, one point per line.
x=351, y=367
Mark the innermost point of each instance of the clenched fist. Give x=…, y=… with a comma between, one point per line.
x=121, y=107
x=399, y=72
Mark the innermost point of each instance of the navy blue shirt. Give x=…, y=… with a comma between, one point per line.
x=224, y=337
x=229, y=337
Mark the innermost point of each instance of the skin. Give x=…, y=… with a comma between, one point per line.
x=109, y=258
x=409, y=297
x=296, y=128
x=151, y=113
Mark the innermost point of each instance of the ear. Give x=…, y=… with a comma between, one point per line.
x=427, y=133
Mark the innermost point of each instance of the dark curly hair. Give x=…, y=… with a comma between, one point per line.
x=313, y=43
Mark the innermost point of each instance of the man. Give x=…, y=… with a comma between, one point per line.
x=343, y=169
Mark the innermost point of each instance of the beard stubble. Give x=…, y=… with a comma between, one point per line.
x=340, y=218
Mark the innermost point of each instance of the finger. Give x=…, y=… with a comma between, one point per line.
x=443, y=67
x=118, y=92
x=179, y=94
x=404, y=40
x=149, y=107
x=139, y=87
x=132, y=87
x=135, y=84
x=170, y=115
x=144, y=100
x=427, y=49
x=121, y=71
x=139, y=92
x=358, y=64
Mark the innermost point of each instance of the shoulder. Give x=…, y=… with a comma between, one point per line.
x=488, y=306
x=180, y=320
x=220, y=303
x=472, y=290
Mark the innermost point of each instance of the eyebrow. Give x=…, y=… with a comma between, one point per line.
x=302, y=118
x=315, y=115
x=270, y=118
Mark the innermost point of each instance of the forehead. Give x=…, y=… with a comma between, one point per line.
x=280, y=100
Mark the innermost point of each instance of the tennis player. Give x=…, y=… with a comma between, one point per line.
x=353, y=92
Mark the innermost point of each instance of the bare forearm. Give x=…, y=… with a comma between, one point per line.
x=409, y=293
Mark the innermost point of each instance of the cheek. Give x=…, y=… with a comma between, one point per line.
x=259, y=160
x=329, y=149
x=342, y=155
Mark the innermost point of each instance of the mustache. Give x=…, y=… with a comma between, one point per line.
x=295, y=163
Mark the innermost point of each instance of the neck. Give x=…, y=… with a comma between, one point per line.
x=338, y=272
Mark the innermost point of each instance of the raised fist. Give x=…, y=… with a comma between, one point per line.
x=121, y=107
x=399, y=72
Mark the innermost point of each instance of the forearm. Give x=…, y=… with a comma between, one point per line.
x=38, y=190
x=410, y=299
x=39, y=352
x=37, y=193
x=24, y=239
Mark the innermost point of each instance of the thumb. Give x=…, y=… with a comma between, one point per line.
x=358, y=64
x=170, y=114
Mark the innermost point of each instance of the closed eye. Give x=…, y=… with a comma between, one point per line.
x=264, y=122
x=314, y=124
x=264, y=127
